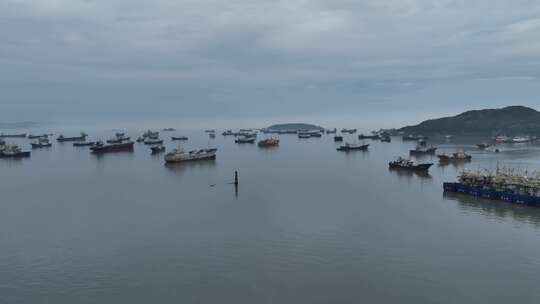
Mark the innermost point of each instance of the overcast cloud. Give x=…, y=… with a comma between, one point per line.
x=130, y=59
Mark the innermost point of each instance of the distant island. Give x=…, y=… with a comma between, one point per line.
x=512, y=120
x=293, y=127
x=18, y=125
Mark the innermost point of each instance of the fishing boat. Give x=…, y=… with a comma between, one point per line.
x=373, y=136
x=227, y=133
x=22, y=135
x=502, y=139
x=212, y=135
x=482, y=146
x=157, y=149
x=270, y=142
x=150, y=134
x=30, y=136
x=521, y=139
x=331, y=131
x=118, y=138
x=245, y=140
x=210, y=131
x=304, y=135
x=338, y=138
x=456, y=156
x=350, y=131
x=411, y=137
x=84, y=144
x=407, y=164
x=179, y=155
x=419, y=150
x=503, y=185
x=153, y=141
x=100, y=147
x=42, y=142
x=179, y=138
x=13, y=151
x=315, y=134
x=62, y=138
x=353, y=147
x=386, y=138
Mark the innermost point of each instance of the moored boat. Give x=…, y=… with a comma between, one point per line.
x=118, y=138
x=505, y=186
x=30, y=136
x=386, y=138
x=353, y=147
x=84, y=144
x=153, y=141
x=21, y=135
x=62, y=138
x=179, y=155
x=13, y=151
x=482, y=146
x=244, y=140
x=412, y=137
x=100, y=147
x=373, y=136
x=350, y=131
x=331, y=131
x=227, y=133
x=269, y=142
x=418, y=150
x=338, y=138
x=42, y=142
x=179, y=138
x=157, y=149
x=456, y=156
x=407, y=164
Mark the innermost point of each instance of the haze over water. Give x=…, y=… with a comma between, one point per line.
x=308, y=224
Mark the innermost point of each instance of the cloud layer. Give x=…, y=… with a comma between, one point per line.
x=255, y=57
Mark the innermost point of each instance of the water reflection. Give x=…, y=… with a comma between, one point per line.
x=496, y=209
x=183, y=166
x=411, y=173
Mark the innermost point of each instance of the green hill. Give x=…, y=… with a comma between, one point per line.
x=294, y=127
x=513, y=120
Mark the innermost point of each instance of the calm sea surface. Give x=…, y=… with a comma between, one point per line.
x=307, y=224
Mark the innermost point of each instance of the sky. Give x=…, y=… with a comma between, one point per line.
x=378, y=63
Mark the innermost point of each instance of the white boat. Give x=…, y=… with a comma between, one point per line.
x=521, y=139
x=179, y=155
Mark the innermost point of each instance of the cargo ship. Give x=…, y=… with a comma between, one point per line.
x=373, y=136
x=100, y=147
x=179, y=155
x=22, y=135
x=62, y=138
x=353, y=147
x=502, y=186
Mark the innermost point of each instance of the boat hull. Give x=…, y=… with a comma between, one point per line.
x=419, y=167
x=23, y=154
x=125, y=147
x=490, y=194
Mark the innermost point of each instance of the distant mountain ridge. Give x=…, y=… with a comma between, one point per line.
x=512, y=120
x=294, y=127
